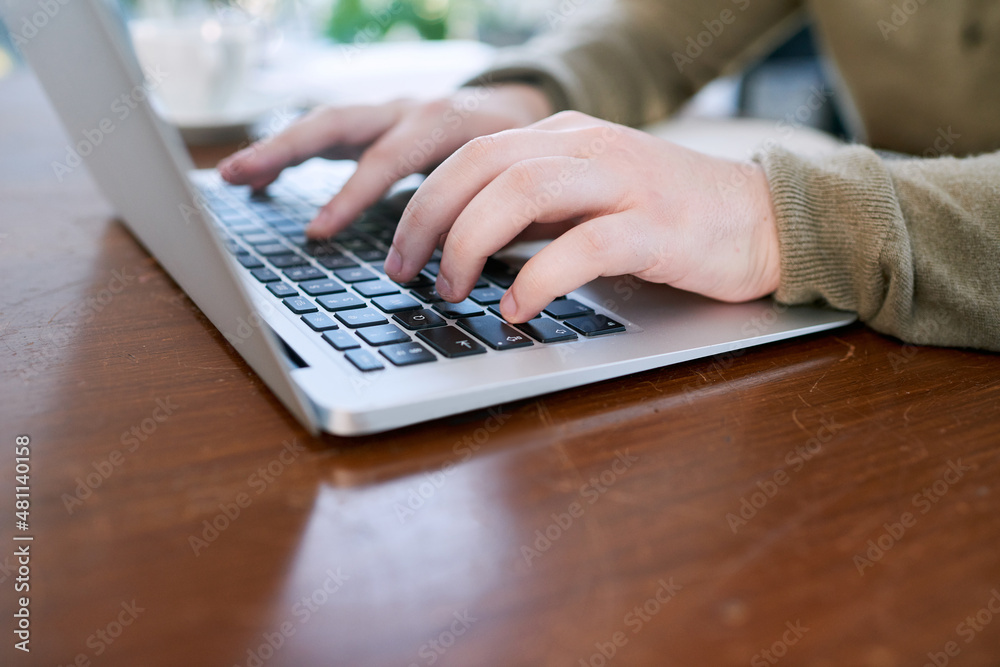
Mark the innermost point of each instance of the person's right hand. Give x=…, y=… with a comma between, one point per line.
x=390, y=141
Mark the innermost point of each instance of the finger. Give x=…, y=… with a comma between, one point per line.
x=611, y=245
x=317, y=133
x=542, y=190
x=566, y=120
x=401, y=151
x=450, y=188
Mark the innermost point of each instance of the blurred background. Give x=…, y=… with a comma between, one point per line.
x=251, y=66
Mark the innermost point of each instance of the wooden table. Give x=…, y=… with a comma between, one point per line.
x=747, y=509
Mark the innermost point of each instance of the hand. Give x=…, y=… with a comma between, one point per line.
x=390, y=141
x=619, y=201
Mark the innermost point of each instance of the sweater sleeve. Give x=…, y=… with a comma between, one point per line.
x=635, y=61
x=911, y=245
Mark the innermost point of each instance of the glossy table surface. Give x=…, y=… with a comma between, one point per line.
x=831, y=500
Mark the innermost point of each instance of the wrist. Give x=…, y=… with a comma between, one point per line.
x=524, y=103
x=766, y=268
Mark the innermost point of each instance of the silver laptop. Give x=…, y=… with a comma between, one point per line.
x=343, y=347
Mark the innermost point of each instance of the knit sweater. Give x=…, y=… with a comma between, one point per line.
x=912, y=245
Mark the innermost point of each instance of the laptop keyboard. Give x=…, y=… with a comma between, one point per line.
x=339, y=290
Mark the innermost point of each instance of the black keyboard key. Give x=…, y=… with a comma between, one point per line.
x=299, y=305
x=420, y=281
x=419, y=319
x=298, y=240
x=287, y=227
x=300, y=273
x=355, y=275
x=238, y=226
x=451, y=342
x=343, y=301
x=336, y=261
x=395, y=303
x=341, y=340
x=364, y=360
x=500, y=273
x=269, y=249
x=372, y=288
x=354, y=242
x=433, y=268
x=245, y=228
x=427, y=294
x=322, y=249
x=249, y=261
x=456, y=310
x=595, y=325
x=495, y=309
x=319, y=322
x=286, y=261
x=564, y=308
x=498, y=335
x=407, y=354
x=322, y=286
x=360, y=317
x=259, y=238
x=547, y=331
x=372, y=255
x=384, y=334
x=282, y=290
x=487, y=295
x=265, y=275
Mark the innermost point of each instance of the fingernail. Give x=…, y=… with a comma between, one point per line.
x=231, y=161
x=508, y=307
x=444, y=287
x=393, y=262
x=315, y=229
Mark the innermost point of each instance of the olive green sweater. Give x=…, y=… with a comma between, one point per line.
x=911, y=245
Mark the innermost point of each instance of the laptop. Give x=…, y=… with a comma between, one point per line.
x=344, y=348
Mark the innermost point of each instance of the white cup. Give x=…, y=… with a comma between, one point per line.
x=205, y=62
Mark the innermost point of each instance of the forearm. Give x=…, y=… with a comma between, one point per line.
x=912, y=246
x=636, y=61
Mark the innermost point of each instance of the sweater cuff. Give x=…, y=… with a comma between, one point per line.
x=835, y=215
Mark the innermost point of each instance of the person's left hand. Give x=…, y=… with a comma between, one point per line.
x=619, y=201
